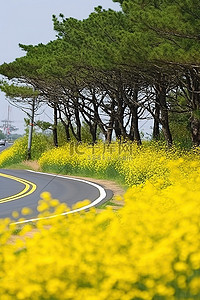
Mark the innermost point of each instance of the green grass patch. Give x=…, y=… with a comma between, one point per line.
x=109, y=174
x=108, y=203
x=19, y=166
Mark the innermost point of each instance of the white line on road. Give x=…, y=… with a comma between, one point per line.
x=102, y=195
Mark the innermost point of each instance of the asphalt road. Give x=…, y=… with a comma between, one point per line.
x=4, y=147
x=16, y=192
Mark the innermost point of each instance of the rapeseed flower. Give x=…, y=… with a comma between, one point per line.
x=148, y=249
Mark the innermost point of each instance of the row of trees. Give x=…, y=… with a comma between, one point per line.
x=115, y=68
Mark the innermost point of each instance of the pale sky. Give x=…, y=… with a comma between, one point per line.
x=30, y=22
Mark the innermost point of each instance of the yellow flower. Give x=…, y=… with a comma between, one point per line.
x=148, y=249
x=26, y=211
x=195, y=286
x=15, y=214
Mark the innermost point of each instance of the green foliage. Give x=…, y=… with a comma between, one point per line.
x=170, y=28
x=95, y=40
x=14, y=154
x=43, y=125
x=17, y=91
x=196, y=114
x=40, y=144
x=61, y=134
x=18, y=151
x=151, y=37
x=85, y=134
x=180, y=128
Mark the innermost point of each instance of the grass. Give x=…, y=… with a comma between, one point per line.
x=108, y=174
x=32, y=165
x=108, y=203
x=19, y=166
x=24, y=165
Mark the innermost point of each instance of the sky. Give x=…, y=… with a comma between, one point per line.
x=30, y=22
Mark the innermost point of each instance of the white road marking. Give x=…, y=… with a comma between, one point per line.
x=102, y=195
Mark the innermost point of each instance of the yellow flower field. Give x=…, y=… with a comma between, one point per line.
x=149, y=249
x=18, y=151
x=128, y=162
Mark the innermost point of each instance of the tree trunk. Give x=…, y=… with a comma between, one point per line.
x=66, y=125
x=164, y=118
x=110, y=125
x=110, y=130
x=93, y=128
x=195, y=130
x=93, y=132
x=120, y=116
x=78, y=125
x=193, y=87
x=31, y=130
x=120, y=111
x=156, y=129
x=55, y=131
x=117, y=130
x=67, y=133
x=135, y=127
x=134, y=130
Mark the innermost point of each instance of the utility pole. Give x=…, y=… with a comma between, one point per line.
x=7, y=126
x=31, y=129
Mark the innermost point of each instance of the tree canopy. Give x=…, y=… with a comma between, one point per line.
x=116, y=67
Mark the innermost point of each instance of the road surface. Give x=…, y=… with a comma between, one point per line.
x=22, y=188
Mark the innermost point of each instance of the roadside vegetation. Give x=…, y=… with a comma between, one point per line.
x=102, y=76
x=113, y=70
x=17, y=153
x=149, y=249
x=125, y=162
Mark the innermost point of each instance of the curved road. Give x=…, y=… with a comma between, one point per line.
x=22, y=188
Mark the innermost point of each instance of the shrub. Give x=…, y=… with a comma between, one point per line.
x=125, y=162
x=18, y=151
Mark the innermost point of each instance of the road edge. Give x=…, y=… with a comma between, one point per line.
x=104, y=196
